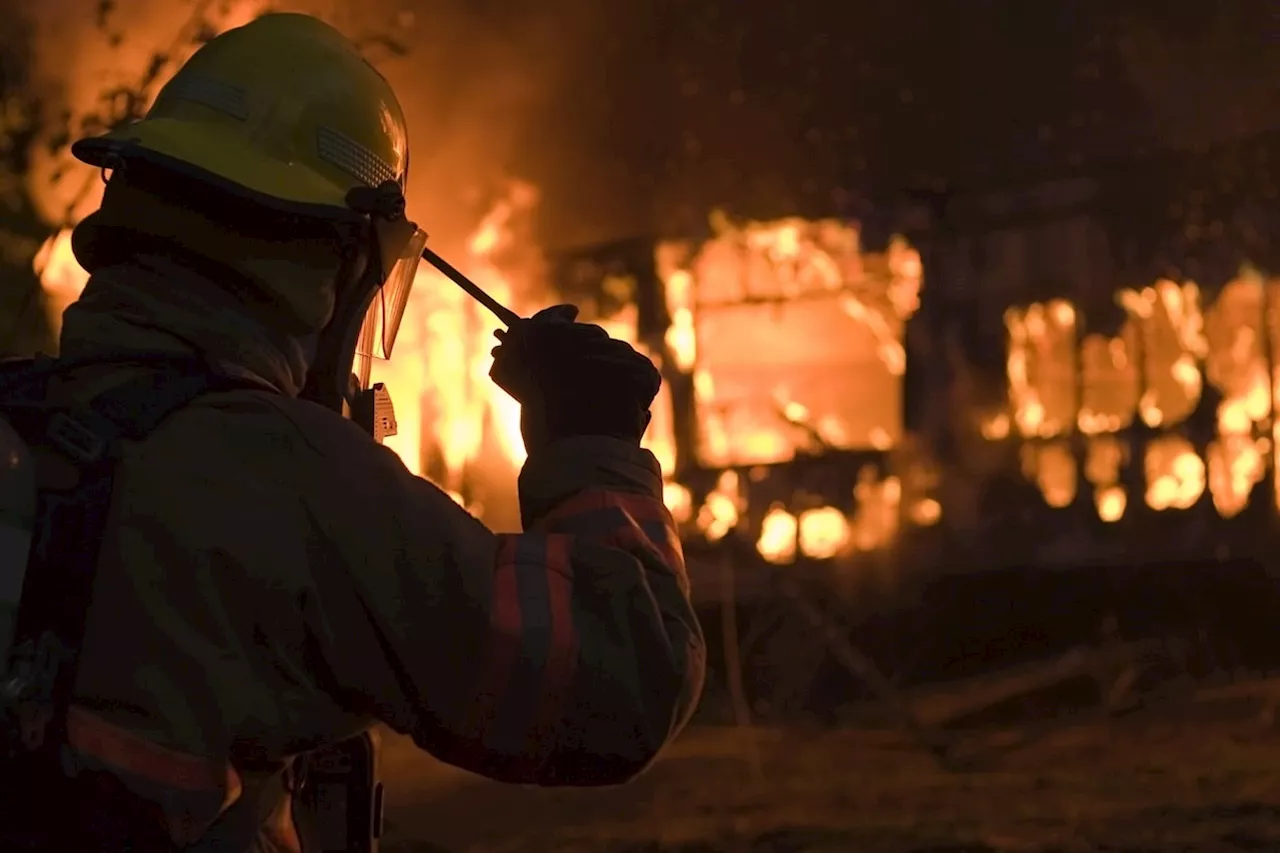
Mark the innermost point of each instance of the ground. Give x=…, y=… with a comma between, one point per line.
x=1199, y=773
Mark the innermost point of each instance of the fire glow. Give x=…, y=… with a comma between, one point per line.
x=788, y=331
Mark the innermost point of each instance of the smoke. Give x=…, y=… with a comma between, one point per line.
x=93, y=62
x=1208, y=74
x=475, y=80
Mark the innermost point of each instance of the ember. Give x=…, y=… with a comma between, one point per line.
x=778, y=532
x=719, y=512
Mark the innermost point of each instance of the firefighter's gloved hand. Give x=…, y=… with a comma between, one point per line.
x=573, y=379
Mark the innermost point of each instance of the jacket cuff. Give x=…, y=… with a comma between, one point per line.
x=566, y=467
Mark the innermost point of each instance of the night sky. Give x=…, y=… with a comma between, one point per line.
x=823, y=107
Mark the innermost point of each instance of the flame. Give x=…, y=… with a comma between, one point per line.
x=1111, y=502
x=679, y=500
x=826, y=532
x=680, y=338
x=792, y=336
x=1236, y=361
x=1155, y=369
x=720, y=511
x=86, y=70
x=1236, y=464
x=61, y=276
x=660, y=437
x=449, y=413
x=1173, y=339
x=91, y=71
x=778, y=533
x=1051, y=467
x=823, y=532
x=877, y=519
x=1040, y=361
x=926, y=512
x=995, y=427
x=1104, y=457
x=1110, y=385
x=1175, y=473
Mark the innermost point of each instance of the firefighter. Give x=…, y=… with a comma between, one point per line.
x=271, y=579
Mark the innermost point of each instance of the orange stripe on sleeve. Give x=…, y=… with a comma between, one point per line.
x=122, y=750
x=641, y=507
x=624, y=519
x=505, y=626
x=562, y=656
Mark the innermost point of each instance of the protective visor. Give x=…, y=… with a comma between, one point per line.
x=402, y=242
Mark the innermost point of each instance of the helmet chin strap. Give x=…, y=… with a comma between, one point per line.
x=370, y=257
x=329, y=379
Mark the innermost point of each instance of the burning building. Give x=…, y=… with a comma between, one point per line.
x=1124, y=368
x=782, y=347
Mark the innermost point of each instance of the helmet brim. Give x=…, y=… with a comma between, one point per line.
x=225, y=160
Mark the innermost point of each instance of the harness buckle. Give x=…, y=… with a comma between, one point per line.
x=76, y=439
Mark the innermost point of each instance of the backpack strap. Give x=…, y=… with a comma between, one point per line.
x=70, y=526
x=35, y=692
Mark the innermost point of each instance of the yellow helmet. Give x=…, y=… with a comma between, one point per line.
x=286, y=112
x=284, y=107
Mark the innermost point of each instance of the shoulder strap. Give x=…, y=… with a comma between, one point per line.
x=70, y=527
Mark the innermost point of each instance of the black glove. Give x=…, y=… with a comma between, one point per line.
x=573, y=379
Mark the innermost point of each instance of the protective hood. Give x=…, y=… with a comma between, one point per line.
x=284, y=273
x=152, y=304
x=297, y=276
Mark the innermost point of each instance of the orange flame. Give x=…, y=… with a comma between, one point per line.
x=1182, y=346
x=792, y=336
x=445, y=403
x=60, y=274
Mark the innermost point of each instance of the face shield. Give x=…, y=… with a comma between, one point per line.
x=400, y=245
